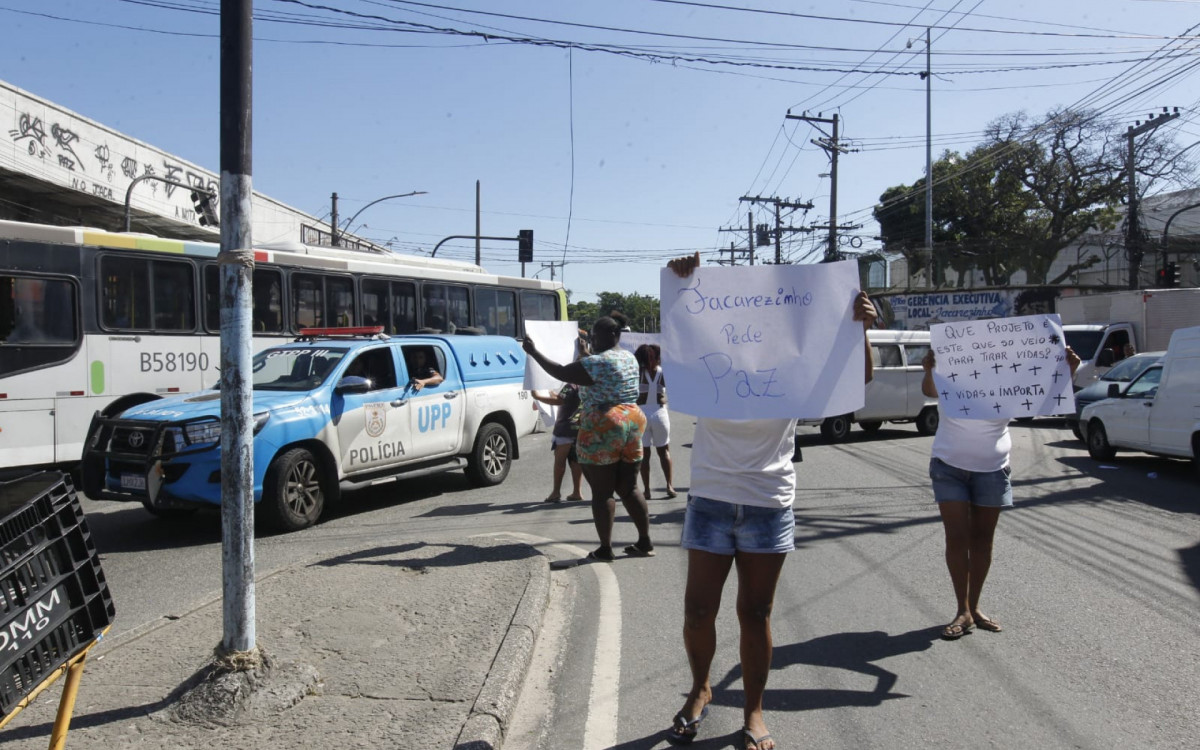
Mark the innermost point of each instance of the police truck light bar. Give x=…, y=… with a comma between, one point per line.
x=346, y=331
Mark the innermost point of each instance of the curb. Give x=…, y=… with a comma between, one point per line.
x=490, y=716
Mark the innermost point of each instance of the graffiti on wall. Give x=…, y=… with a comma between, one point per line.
x=62, y=152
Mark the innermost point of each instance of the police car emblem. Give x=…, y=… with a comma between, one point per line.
x=376, y=419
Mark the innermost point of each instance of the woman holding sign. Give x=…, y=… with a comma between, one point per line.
x=609, y=443
x=970, y=473
x=739, y=515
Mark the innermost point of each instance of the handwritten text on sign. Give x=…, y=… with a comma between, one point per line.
x=1004, y=368
x=763, y=342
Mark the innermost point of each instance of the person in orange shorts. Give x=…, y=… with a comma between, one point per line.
x=610, y=433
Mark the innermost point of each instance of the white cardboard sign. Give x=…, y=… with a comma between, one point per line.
x=763, y=342
x=1002, y=368
x=556, y=340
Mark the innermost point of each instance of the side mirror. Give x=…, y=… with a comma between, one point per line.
x=353, y=384
x=1114, y=390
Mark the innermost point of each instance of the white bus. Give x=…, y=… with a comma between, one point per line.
x=99, y=321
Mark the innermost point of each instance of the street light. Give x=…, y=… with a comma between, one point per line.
x=927, y=75
x=333, y=225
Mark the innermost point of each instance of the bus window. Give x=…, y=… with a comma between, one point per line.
x=267, y=311
x=36, y=311
x=339, y=300
x=496, y=311
x=125, y=292
x=539, y=306
x=146, y=295
x=446, y=308
x=391, y=304
x=308, y=310
x=174, y=300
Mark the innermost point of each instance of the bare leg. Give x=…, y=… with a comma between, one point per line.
x=645, y=471
x=577, y=479
x=758, y=575
x=706, y=576
x=635, y=504
x=664, y=459
x=602, y=480
x=560, y=468
x=956, y=521
x=983, y=530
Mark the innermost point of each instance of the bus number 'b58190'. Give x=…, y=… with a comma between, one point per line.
x=174, y=361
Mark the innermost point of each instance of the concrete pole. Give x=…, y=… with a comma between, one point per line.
x=832, y=253
x=778, y=236
x=478, y=250
x=236, y=261
x=929, y=157
x=333, y=222
x=750, y=234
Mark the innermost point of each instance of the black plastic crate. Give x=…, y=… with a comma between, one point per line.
x=54, y=599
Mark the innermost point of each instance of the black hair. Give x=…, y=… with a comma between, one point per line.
x=622, y=321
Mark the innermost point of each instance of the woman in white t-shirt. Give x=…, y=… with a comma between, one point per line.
x=970, y=473
x=739, y=514
x=652, y=399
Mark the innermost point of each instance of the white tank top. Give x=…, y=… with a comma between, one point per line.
x=650, y=390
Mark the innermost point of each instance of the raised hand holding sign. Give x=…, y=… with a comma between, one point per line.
x=761, y=342
x=1003, y=368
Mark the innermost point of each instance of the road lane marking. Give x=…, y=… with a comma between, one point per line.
x=600, y=728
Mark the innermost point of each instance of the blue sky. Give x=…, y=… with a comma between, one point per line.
x=620, y=159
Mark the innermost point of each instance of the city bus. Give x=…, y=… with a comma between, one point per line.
x=92, y=320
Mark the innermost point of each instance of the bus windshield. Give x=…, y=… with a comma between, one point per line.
x=293, y=368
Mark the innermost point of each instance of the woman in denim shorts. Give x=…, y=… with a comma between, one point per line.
x=970, y=474
x=739, y=514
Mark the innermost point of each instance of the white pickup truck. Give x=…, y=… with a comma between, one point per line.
x=335, y=408
x=1159, y=412
x=1098, y=326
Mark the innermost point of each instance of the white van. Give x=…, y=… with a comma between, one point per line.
x=894, y=393
x=1159, y=412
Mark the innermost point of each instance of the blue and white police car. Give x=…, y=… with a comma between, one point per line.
x=333, y=409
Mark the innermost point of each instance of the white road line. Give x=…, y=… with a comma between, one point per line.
x=600, y=729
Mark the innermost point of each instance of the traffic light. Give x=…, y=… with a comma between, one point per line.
x=525, y=246
x=205, y=213
x=1168, y=276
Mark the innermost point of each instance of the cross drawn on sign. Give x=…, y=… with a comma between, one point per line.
x=1003, y=368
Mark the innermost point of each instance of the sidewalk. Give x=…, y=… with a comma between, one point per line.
x=415, y=646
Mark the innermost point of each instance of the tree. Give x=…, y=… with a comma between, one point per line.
x=641, y=309
x=1026, y=192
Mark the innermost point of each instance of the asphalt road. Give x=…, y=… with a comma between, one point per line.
x=1095, y=579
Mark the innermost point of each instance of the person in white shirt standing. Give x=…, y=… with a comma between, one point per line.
x=739, y=514
x=652, y=398
x=970, y=473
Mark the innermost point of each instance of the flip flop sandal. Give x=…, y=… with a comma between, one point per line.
x=635, y=551
x=988, y=624
x=598, y=556
x=956, y=630
x=683, y=730
x=748, y=737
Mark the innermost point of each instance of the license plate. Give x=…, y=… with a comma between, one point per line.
x=133, y=482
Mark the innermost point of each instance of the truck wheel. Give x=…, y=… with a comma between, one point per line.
x=1097, y=442
x=293, y=493
x=927, y=421
x=168, y=514
x=835, y=429
x=871, y=426
x=491, y=458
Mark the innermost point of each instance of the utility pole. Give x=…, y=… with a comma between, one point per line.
x=1134, y=251
x=779, y=228
x=552, y=265
x=236, y=261
x=831, y=146
x=333, y=223
x=478, y=238
x=732, y=250
x=750, y=234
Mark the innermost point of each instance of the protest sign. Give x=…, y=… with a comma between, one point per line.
x=556, y=340
x=1003, y=368
x=761, y=342
x=630, y=341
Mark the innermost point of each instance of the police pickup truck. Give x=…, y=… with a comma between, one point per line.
x=333, y=409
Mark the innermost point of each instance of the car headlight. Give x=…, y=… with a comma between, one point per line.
x=201, y=433
x=260, y=421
